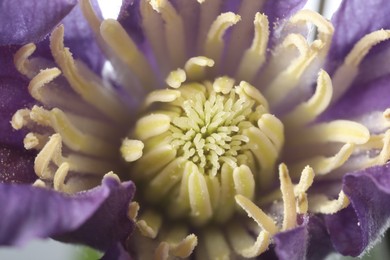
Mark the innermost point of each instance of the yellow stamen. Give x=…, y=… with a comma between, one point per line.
x=127, y=51
x=287, y=189
x=321, y=204
x=347, y=72
x=253, y=211
x=174, y=31
x=176, y=78
x=214, y=44
x=255, y=56
x=308, y=111
x=196, y=67
x=131, y=150
x=149, y=224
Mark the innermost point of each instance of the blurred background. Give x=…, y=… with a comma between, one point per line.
x=50, y=249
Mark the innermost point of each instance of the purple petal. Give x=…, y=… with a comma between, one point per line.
x=359, y=226
x=292, y=244
x=16, y=165
x=13, y=96
x=351, y=25
x=362, y=98
x=27, y=212
x=30, y=21
x=110, y=218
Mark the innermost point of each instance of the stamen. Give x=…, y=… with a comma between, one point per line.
x=254, y=212
x=243, y=243
x=152, y=125
x=90, y=15
x=133, y=210
x=131, y=150
x=255, y=56
x=153, y=161
x=21, y=61
x=43, y=77
x=152, y=25
x=280, y=87
x=199, y=196
x=50, y=152
x=20, y=119
x=324, y=165
x=335, y=131
x=227, y=193
x=35, y=141
x=164, y=95
x=287, y=189
x=149, y=224
x=244, y=182
x=174, y=31
x=223, y=85
x=325, y=28
x=321, y=204
x=308, y=111
x=59, y=176
x=165, y=180
x=185, y=248
x=196, y=67
x=72, y=137
x=214, y=44
x=162, y=251
x=99, y=97
x=127, y=51
x=347, y=72
x=208, y=11
x=176, y=78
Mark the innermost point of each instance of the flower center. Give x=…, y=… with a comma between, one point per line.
x=203, y=138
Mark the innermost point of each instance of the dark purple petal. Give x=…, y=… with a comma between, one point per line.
x=13, y=96
x=361, y=99
x=109, y=223
x=27, y=212
x=116, y=252
x=351, y=24
x=359, y=226
x=30, y=21
x=16, y=165
x=319, y=240
x=292, y=244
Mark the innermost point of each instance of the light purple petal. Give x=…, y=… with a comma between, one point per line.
x=279, y=10
x=353, y=20
x=27, y=212
x=359, y=226
x=130, y=18
x=30, y=21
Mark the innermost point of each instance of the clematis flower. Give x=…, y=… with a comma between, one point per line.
x=244, y=137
